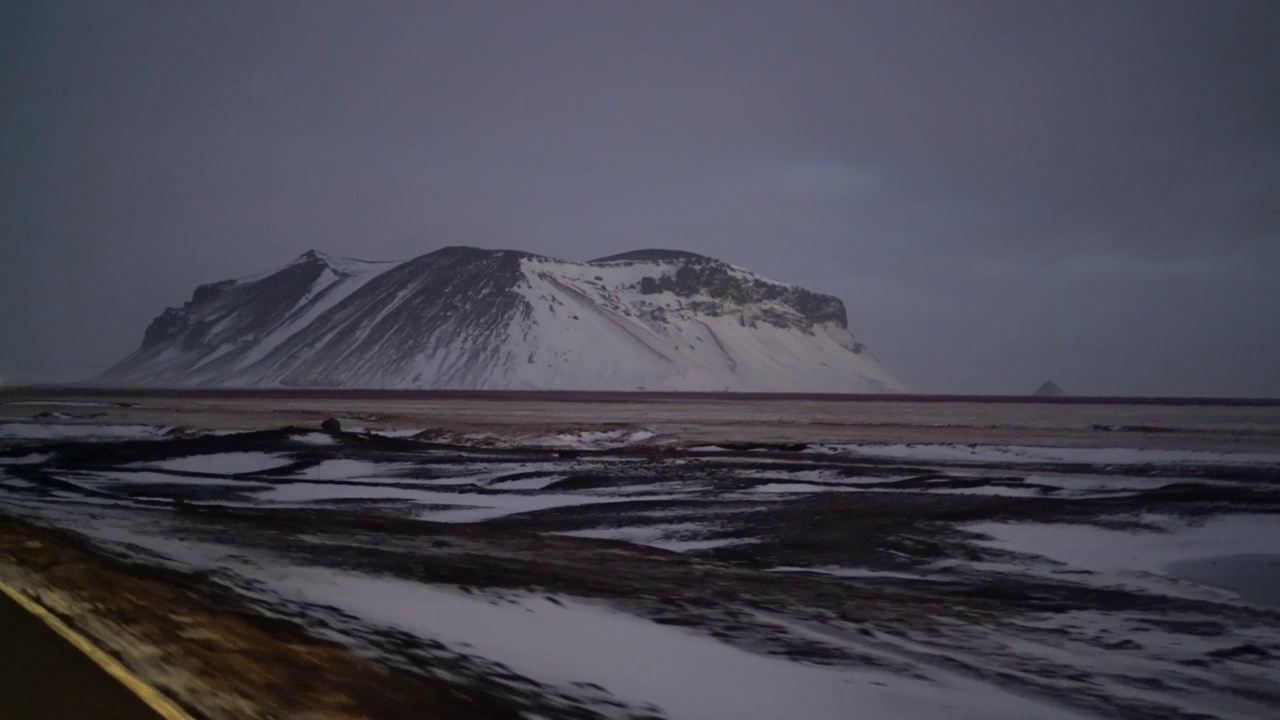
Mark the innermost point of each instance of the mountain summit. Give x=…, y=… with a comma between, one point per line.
x=469, y=318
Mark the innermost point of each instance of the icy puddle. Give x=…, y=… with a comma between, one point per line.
x=1222, y=552
x=1031, y=454
x=1255, y=578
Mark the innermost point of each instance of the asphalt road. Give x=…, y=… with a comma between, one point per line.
x=42, y=677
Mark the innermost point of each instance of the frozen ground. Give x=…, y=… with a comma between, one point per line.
x=626, y=573
x=567, y=418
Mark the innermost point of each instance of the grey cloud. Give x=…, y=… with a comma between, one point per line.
x=994, y=187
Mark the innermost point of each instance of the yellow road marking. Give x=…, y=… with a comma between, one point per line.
x=163, y=706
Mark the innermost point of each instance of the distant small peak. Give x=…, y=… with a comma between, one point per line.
x=651, y=255
x=1049, y=389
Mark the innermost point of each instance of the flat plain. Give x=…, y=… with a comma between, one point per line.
x=614, y=556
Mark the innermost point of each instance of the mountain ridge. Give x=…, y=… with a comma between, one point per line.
x=470, y=318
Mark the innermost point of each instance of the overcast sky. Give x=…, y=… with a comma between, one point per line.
x=1001, y=192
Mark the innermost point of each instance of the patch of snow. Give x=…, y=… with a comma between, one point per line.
x=398, y=433
x=1107, y=550
x=994, y=490
x=316, y=438
x=493, y=474
x=676, y=537
x=796, y=488
x=59, y=403
x=588, y=439
x=351, y=469
x=1135, y=557
x=851, y=572
x=233, y=463
x=687, y=675
x=30, y=459
x=530, y=483
x=800, y=474
x=473, y=507
x=683, y=546
x=156, y=478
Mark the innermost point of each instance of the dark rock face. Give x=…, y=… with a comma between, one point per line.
x=245, y=310
x=229, y=316
x=699, y=276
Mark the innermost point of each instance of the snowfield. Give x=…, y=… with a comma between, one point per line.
x=625, y=571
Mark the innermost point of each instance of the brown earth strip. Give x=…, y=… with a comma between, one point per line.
x=198, y=644
x=42, y=677
x=691, y=419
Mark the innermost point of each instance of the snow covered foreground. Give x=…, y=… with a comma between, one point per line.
x=625, y=665
x=622, y=665
x=642, y=580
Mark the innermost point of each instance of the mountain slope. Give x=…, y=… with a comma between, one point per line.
x=485, y=319
x=228, y=326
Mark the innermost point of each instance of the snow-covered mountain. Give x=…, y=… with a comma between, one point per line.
x=464, y=317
